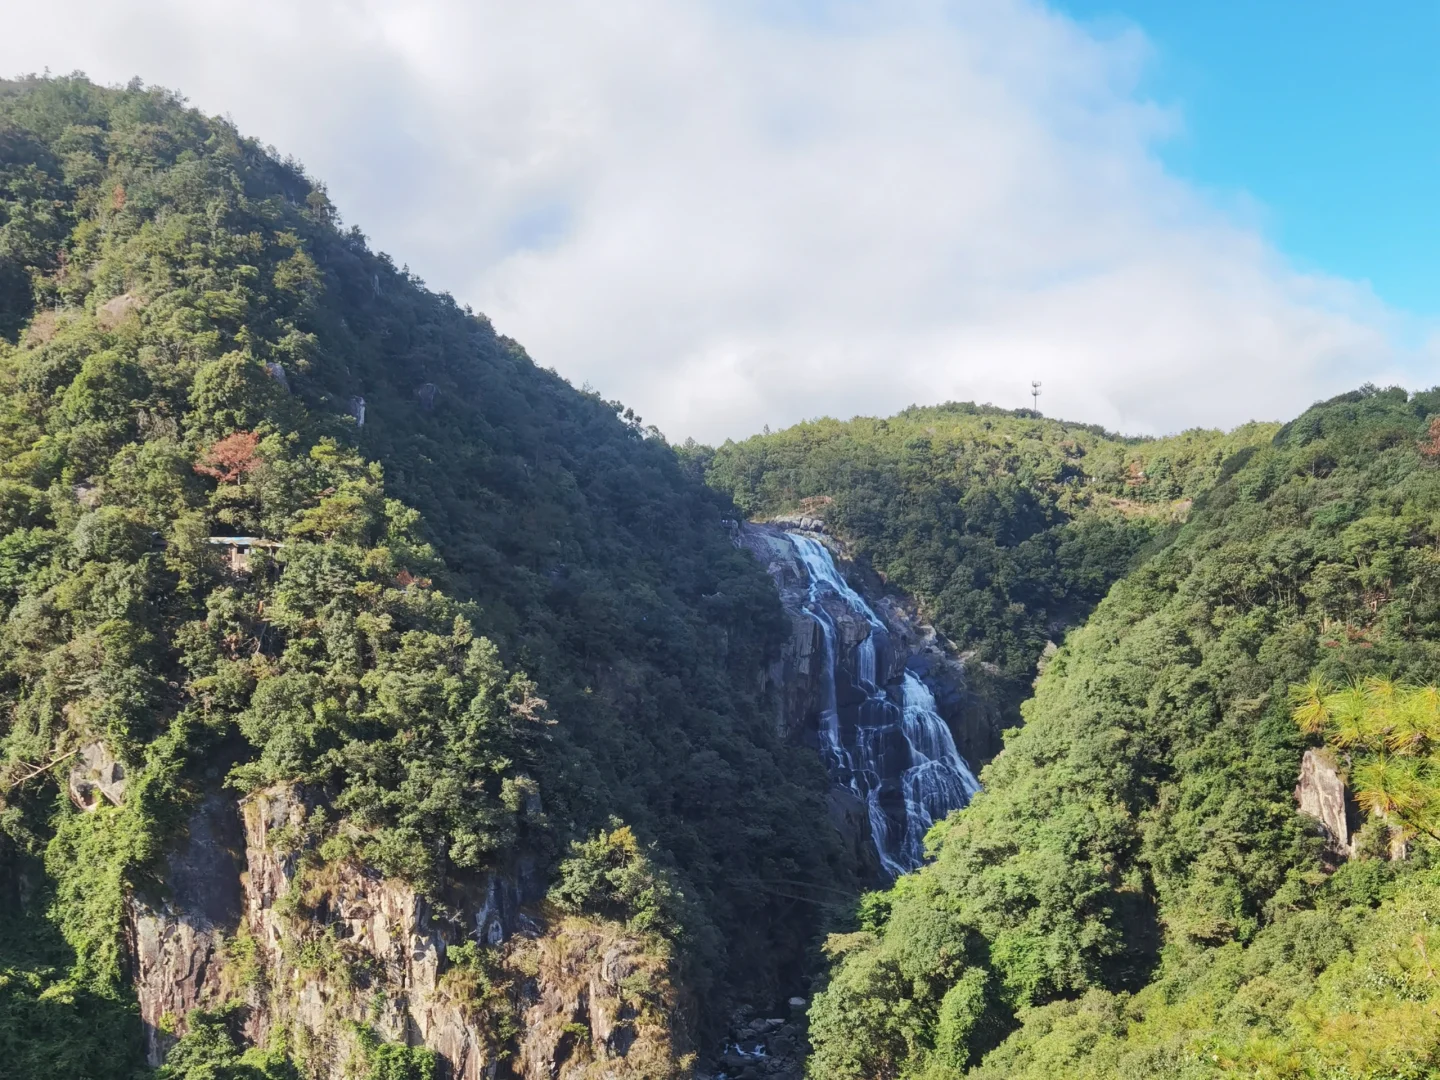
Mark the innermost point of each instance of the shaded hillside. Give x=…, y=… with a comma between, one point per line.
x=190, y=345
x=1135, y=889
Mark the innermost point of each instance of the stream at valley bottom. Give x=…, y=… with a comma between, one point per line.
x=885, y=742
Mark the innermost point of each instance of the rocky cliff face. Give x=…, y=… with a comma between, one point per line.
x=321, y=952
x=1320, y=793
x=844, y=679
x=796, y=672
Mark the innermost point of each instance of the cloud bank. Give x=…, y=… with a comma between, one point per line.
x=737, y=213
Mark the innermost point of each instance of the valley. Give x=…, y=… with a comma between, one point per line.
x=378, y=705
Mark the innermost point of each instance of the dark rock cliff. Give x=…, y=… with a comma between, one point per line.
x=324, y=953
x=798, y=674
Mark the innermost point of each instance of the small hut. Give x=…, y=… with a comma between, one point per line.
x=240, y=548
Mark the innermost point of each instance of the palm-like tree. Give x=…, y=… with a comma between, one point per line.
x=1308, y=699
x=1391, y=732
x=1398, y=790
x=1389, y=787
x=1416, y=723
x=1350, y=721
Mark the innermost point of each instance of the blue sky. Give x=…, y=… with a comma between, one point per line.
x=1326, y=113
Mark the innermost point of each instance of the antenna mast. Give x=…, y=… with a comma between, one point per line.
x=1035, y=395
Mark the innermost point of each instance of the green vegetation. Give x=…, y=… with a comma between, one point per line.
x=50, y=1024
x=214, y=1049
x=185, y=334
x=1134, y=894
x=610, y=876
x=1391, y=736
x=505, y=625
x=1007, y=527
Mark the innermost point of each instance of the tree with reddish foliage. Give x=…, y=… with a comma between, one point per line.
x=231, y=458
x=1430, y=445
x=405, y=579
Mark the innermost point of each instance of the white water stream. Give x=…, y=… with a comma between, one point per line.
x=885, y=743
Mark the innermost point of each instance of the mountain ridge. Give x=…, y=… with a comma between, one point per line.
x=472, y=759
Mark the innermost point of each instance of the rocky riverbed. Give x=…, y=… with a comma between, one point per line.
x=763, y=1047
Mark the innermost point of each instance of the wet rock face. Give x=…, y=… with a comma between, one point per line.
x=797, y=672
x=843, y=684
x=1320, y=794
x=851, y=818
x=914, y=644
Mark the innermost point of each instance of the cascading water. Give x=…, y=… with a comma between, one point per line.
x=885, y=743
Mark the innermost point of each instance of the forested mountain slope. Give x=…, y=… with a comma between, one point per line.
x=191, y=346
x=497, y=645
x=1134, y=893
x=1007, y=527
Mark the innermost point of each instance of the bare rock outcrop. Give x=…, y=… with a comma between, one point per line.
x=177, y=941
x=600, y=1005
x=344, y=946
x=117, y=309
x=176, y=963
x=321, y=950
x=96, y=775
x=1320, y=794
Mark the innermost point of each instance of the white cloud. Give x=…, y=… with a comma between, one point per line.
x=729, y=217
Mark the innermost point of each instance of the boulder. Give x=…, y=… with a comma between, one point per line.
x=115, y=310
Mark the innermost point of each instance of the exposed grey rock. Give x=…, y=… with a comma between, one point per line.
x=96, y=775
x=177, y=942
x=88, y=494
x=115, y=310
x=798, y=676
x=277, y=372
x=230, y=875
x=173, y=960
x=1320, y=794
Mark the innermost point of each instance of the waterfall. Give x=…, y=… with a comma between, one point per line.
x=886, y=743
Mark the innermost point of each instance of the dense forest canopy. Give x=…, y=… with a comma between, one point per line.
x=1134, y=893
x=503, y=613
x=490, y=623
